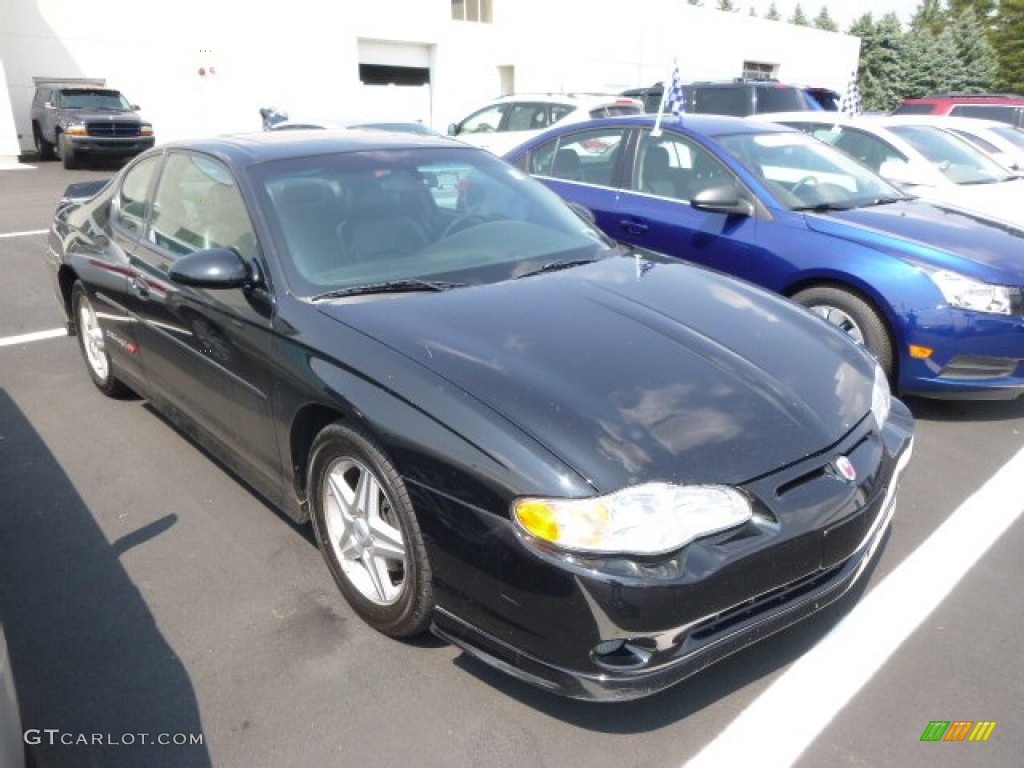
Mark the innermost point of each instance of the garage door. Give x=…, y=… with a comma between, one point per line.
x=395, y=80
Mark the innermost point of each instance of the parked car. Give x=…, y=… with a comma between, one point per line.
x=741, y=97
x=511, y=120
x=1004, y=108
x=1002, y=142
x=594, y=467
x=274, y=120
x=74, y=122
x=933, y=292
x=923, y=159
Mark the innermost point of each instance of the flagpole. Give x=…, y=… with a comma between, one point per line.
x=665, y=88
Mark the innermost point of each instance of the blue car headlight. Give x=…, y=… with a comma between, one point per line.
x=963, y=292
x=649, y=519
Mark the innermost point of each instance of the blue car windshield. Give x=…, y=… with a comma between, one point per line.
x=407, y=216
x=803, y=173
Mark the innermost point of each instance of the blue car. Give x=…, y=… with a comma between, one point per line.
x=935, y=293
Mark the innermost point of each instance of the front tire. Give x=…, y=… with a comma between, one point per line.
x=93, y=346
x=852, y=314
x=44, y=149
x=66, y=151
x=368, y=534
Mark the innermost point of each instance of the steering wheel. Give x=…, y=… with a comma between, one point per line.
x=806, y=183
x=465, y=221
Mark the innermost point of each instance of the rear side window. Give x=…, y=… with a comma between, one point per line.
x=915, y=109
x=781, y=99
x=131, y=199
x=724, y=101
x=1004, y=114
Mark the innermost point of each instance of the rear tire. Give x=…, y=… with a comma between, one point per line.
x=368, y=534
x=93, y=346
x=852, y=314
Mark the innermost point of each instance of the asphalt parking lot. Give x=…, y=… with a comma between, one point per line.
x=147, y=596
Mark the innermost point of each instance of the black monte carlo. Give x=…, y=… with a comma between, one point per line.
x=595, y=468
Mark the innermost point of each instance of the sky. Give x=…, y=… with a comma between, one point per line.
x=845, y=12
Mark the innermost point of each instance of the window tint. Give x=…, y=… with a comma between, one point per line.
x=987, y=112
x=914, y=109
x=131, y=198
x=871, y=151
x=484, y=121
x=588, y=156
x=674, y=167
x=527, y=117
x=197, y=205
x=976, y=140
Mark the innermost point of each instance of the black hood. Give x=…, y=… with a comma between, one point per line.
x=676, y=374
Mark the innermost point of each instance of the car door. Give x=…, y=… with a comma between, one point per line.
x=206, y=352
x=654, y=209
x=584, y=167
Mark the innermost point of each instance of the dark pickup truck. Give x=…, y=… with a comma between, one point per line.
x=75, y=121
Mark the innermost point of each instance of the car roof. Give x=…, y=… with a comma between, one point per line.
x=580, y=99
x=244, y=149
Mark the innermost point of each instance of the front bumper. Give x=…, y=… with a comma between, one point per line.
x=93, y=145
x=663, y=622
x=975, y=356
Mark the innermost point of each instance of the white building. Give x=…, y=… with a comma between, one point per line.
x=206, y=66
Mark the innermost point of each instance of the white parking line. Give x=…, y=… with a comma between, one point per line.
x=25, y=338
x=23, y=234
x=848, y=656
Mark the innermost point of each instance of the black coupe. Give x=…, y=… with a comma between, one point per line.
x=593, y=467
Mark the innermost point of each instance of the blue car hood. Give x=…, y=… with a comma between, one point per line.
x=931, y=233
x=676, y=374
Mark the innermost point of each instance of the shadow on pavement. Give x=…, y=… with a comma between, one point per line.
x=88, y=658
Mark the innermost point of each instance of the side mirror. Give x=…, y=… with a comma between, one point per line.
x=453, y=129
x=215, y=268
x=135, y=107
x=723, y=199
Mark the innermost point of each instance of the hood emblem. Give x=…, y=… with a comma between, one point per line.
x=844, y=467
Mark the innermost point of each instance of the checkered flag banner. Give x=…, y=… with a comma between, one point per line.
x=850, y=103
x=675, y=99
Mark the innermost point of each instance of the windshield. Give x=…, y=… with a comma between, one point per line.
x=1014, y=135
x=450, y=216
x=955, y=158
x=94, y=100
x=804, y=173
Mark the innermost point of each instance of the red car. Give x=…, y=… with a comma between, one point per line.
x=1006, y=108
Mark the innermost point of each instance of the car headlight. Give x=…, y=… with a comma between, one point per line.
x=76, y=129
x=964, y=293
x=145, y=129
x=881, y=397
x=649, y=519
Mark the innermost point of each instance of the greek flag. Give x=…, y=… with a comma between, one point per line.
x=850, y=103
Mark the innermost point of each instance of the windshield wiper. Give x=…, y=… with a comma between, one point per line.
x=823, y=207
x=554, y=266
x=388, y=286
x=886, y=200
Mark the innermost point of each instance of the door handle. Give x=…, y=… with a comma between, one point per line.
x=633, y=226
x=139, y=288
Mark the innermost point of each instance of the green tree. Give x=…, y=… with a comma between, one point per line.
x=799, y=17
x=728, y=5
x=881, y=74
x=1007, y=38
x=978, y=62
x=824, y=21
x=930, y=15
x=930, y=63
x=983, y=9
x=773, y=13
x=696, y=2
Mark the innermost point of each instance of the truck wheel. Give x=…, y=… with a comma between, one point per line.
x=67, y=152
x=44, y=149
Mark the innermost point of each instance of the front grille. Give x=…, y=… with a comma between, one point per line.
x=114, y=129
x=970, y=367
